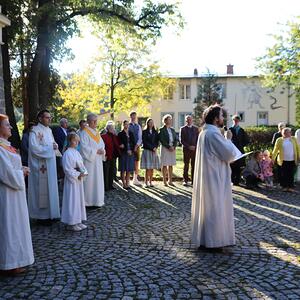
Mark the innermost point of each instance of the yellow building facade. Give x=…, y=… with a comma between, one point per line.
x=242, y=95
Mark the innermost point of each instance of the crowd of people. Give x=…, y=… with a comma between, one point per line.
x=264, y=165
x=280, y=163
x=85, y=163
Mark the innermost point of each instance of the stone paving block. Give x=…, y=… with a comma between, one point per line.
x=141, y=249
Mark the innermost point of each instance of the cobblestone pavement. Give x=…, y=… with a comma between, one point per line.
x=138, y=247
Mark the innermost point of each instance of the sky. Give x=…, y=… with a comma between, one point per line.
x=217, y=32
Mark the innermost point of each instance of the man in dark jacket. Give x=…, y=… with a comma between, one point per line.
x=278, y=134
x=240, y=139
x=188, y=137
x=61, y=133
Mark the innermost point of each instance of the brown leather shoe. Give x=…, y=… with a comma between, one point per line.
x=12, y=272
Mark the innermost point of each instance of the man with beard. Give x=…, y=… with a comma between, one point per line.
x=212, y=205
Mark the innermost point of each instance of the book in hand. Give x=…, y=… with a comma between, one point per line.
x=239, y=154
x=242, y=155
x=83, y=171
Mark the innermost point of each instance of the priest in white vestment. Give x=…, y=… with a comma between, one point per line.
x=43, y=198
x=15, y=237
x=212, y=206
x=92, y=149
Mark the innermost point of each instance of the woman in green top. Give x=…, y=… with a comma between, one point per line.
x=168, y=140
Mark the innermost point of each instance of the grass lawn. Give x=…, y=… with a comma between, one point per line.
x=177, y=170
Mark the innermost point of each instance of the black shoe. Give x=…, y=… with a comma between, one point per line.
x=46, y=222
x=211, y=250
x=92, y=207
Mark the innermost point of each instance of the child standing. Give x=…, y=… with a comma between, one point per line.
x=267, y=168
x=73, y=206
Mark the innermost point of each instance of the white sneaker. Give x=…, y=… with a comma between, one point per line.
x=74, y=228
x=136, y=182
x=82, y=226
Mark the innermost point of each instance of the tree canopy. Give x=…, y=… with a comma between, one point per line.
x=281, y=63
x=131, y=76
x=40, y=29
x=209, y=93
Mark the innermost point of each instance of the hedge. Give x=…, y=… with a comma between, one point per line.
x=261, y=137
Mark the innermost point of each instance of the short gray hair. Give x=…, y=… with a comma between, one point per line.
x=63, y=120
x=91, y=116
x=109, y=124
x=281, y=125
x=286, y=129
x=188, y=116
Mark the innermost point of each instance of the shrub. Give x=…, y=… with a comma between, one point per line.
x=261, y=137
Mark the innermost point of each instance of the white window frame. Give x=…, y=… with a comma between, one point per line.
x=184, y=95
x=265, y=112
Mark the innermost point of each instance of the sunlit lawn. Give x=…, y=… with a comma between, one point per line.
x=177, y=170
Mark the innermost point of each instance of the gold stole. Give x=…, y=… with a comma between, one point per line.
x=8, y=148
x=96, y=138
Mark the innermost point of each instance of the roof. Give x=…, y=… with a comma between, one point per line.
x=216, y=75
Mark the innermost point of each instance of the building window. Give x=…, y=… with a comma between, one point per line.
x=262, y=118
x=184, y=91
x=219, y=88
x=181, y=118
x=168, y=95
x=167, y=113
x=181, y=91
x=187, y=92
x=242, y=115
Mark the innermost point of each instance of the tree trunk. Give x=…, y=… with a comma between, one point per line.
x=112, y=98
x=9, y=107
x=24, y=87
x=44, y=81
x=37, y=63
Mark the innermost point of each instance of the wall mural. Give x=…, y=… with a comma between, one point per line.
x=271, y=91
x=253, y=94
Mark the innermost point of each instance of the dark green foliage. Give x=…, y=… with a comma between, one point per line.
x=280, y=64
x=261, y=137
x=209, y=93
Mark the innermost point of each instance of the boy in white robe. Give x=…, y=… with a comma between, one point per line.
x=212, y=205
x=15, y=237
x=73, y=206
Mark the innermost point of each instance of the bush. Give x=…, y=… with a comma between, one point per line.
x=261, y=137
